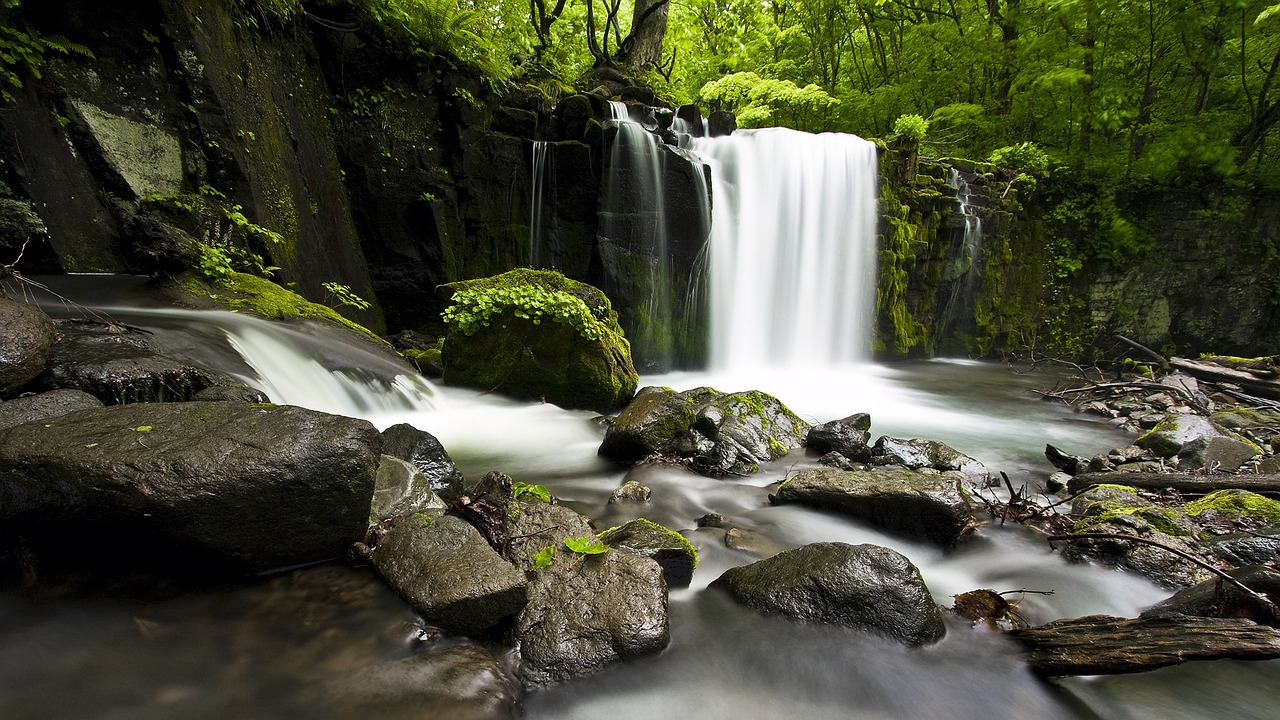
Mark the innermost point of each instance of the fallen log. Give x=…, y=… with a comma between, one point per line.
x=1213, y=372
x=1267, y=485
x=1105, y=645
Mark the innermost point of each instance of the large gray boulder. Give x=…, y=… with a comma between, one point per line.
x=462, y=682
x=425, y=452
x=715, y=433
x=586, y=612
x=1176, y=431
x=118, y=365
x=190, y=486
x=860, y=586
x=45, y=406
x=447, y=572
x=928, y=505
x=26, y=336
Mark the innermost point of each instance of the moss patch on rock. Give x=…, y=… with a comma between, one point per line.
x=250, y=293
x=1107, y=503
x=1234, y=504
x=537, y=334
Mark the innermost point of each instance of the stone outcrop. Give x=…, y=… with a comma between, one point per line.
x=715, y=433
x=422, y=450
x=45, y=406
x=668, y=548
x=119, y=365
x=187, y=487
x=861, y=586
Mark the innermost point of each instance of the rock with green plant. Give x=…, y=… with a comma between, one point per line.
x=538, y=529
x=929, y=505
x=1120, y=510
x=713, y=432
x=866, y=587
x=188, y=489
x=677, y=556
x=537, y=334
x=422, y=558
x=28, y=339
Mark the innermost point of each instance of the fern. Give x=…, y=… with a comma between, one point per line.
x=22, y=51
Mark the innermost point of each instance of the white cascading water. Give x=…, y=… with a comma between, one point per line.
x=792, y=248
x=538, y=172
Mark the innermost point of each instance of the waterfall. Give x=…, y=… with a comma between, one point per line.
x=792, y=248
x=537, y=174
x=963, y=271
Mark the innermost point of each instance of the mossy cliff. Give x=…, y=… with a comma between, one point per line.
x=1064, y=265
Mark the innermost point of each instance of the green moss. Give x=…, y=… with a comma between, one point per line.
x=674, y=536
x=1106, y=503
x=1236, y=504
x=260, y=296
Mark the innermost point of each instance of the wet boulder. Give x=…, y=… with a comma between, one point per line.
x=1119, y=510
x=589, y=611
x=915, y=453
x=668, y=548
x=424, y=452
x=536, y=334
x=189, y=486
x=447, y=572
x=1261, y=547
x=45, y=406
x=401, y=489
x=536, y=526
x=631, y=491
x=1176, y=431
x=1217, y=454
x=461, y=682
x=928, y=505
x=715, y=433
x=119, y=365
x=867, y=587
x=27, y=339
x=847, y=436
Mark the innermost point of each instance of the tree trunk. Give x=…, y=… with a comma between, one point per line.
x=643, y=46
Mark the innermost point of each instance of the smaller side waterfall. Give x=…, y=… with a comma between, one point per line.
x=964, y=270
x=537, y=175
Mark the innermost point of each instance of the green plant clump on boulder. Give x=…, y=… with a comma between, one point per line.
x=250, y=293
x=537, y=334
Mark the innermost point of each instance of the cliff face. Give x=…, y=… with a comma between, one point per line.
x=1198, y=271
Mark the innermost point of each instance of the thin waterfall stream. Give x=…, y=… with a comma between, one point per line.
x=793, y=299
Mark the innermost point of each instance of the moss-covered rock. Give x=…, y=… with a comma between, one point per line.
x=1105, y=504
x=668, y=548
x=715, y=433
x=1236, y=505
x=538, y=334
x=249, y=293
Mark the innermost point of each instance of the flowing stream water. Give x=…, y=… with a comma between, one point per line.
x=274, y=648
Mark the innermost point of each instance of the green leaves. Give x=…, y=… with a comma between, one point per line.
x=542, y=559
x=538, y=491
x=588, y=545
x=475, y=308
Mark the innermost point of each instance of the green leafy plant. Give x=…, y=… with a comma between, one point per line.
x=539, y=491
x=344, y=295
x=912, y=128
x=474, y=308
x=586, y=545
x=1026, y=157
x=22, y=50
x=542, y=559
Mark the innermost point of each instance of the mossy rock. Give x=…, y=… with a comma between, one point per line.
x=537, y=334
x=250, y=293
x=1106, y=504
x=677, y=556
x=1237, y=505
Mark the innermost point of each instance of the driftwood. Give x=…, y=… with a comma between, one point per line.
x=1104, y=645
x=1268, y=485
x=1213, y=372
